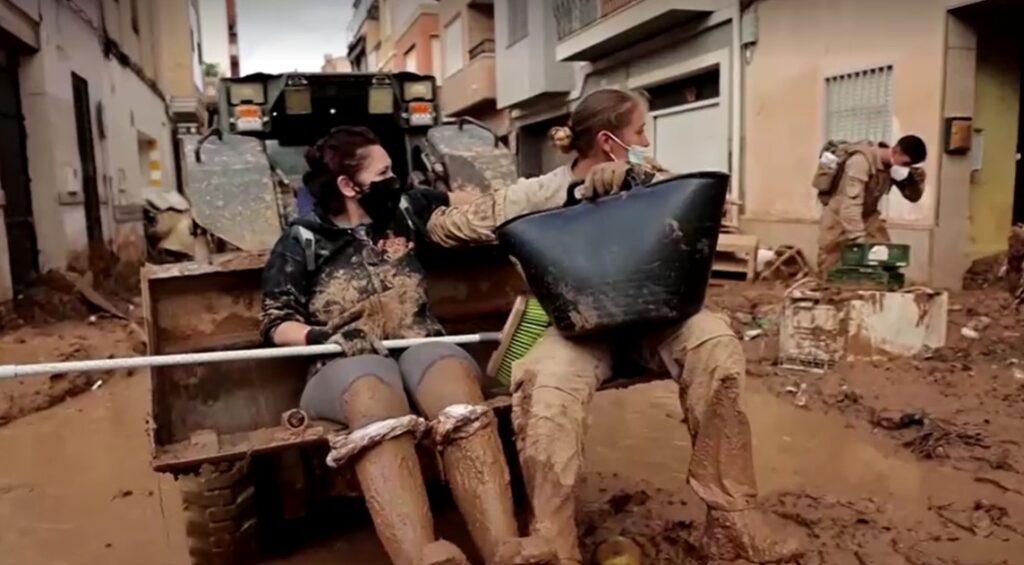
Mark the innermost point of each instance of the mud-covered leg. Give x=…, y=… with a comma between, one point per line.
x=443, y=376
x=875, y=229
x=722, y=465
x=830, y=242
x=551, y=389
x=358, y=391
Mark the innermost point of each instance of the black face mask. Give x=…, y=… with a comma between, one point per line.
x=380, y=200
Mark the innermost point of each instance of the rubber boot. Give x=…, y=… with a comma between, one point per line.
x=474, y=466
x=389, y=473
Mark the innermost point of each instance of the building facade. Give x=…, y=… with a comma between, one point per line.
x=756, y=87
x=334, y=64
x=89, y=90
x=395, y=35
x=926, y=68
x=468, y=63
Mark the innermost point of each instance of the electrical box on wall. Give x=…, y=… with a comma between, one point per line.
x=958, y=135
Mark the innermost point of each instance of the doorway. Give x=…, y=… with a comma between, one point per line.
x=996, y=197
x=18, y=219
x=690, y=124
x=87, y=155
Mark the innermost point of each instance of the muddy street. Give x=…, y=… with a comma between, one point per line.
x=75, y=483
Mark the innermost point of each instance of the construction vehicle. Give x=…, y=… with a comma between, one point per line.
x=246, y=461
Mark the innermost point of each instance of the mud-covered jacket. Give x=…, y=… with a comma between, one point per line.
x=346, y=277
x=475, y=222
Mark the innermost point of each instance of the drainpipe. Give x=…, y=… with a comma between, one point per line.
x=736, y=93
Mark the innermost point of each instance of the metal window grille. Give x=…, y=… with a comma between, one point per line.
x=859, y=105
x=518, y=21
x=573, y=15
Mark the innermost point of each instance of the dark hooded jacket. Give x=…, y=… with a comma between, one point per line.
x=349, y=277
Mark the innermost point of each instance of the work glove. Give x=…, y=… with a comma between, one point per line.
x=353, y=341
x=604, y=179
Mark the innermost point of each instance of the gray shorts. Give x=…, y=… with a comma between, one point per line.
x=321, y=399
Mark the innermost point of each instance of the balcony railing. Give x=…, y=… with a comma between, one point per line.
x=485, y=46
x=362, y=10
x=574, y=15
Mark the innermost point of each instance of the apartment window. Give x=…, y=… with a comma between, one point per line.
x=436, y=59
x=859, y=105
x=410, y=60
x=518, y=21
x=453, y=49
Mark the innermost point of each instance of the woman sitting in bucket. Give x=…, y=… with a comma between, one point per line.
x=554, y=383
x=341, y=276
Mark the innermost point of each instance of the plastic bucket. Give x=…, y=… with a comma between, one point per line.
x=638, y=258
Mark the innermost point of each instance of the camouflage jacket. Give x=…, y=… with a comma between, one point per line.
x=865, y=181
x=345, y=277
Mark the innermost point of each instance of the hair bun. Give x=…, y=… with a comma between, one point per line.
x=561, y=138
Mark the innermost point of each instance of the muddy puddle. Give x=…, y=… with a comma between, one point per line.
x=75, y=487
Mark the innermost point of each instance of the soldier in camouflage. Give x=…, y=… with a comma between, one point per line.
x=851, y=213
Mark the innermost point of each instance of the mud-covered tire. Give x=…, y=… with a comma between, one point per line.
x=220, y=514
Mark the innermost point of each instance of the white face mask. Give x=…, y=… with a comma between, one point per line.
x=899, y=172
x=635, y=154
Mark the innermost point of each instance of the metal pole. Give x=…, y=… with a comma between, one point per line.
x=11, y=371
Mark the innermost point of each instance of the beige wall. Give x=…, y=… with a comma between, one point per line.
x=131, y=110
x=175, y=54
x=417, y=36
x=800, y=43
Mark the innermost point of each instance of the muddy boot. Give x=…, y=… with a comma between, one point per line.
x=442, y=552
x=751, y=535
x=445, y=384
x=361, y=391
x=526, y=551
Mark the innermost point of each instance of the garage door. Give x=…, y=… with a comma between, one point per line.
x=692, y=138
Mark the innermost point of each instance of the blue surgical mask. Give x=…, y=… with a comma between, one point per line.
x=635, y=154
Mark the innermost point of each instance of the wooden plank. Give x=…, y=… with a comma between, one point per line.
x=736, y=253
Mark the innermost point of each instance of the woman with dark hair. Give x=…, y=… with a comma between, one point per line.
x=341, y=276
x=553, y=385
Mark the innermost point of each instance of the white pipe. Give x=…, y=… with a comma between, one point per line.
x=11, y=371
x=736, y=103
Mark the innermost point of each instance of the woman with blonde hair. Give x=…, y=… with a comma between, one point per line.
x=554, y=384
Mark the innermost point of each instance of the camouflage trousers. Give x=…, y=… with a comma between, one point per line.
x=832, y=237
x=552, y=388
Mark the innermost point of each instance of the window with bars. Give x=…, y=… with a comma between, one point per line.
x=859, y=105
x=518, y=21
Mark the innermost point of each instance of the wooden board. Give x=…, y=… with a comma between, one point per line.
x=736, y=254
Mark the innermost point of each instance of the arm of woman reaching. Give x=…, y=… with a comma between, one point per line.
x=473, y=221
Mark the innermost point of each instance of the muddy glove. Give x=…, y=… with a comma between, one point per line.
x=353, y=341
x=603, y=180
x=419, y=204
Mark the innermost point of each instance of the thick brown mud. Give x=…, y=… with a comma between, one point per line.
x=843, y=460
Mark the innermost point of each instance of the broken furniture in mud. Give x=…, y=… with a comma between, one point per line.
x=823, y=325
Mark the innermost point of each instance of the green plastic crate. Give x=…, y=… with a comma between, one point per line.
x=876, y=255
x=867, y=277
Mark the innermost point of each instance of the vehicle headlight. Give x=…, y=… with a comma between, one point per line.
x=246, y=92
x=418, y=89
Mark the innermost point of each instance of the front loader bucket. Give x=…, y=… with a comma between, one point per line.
x=206, y=413
x=223, y=411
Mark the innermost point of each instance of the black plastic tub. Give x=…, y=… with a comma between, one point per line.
x=640, y=258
